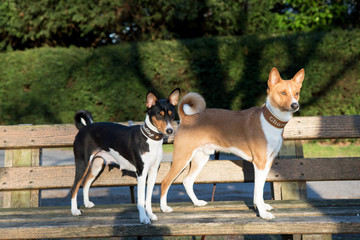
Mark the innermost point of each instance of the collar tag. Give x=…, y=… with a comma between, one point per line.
x=274, y=121
x=150, y=133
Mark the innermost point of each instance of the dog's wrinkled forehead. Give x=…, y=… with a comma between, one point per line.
x=164, y=107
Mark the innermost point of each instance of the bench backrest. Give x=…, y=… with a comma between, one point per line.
x=22, y=146
x=62, y=135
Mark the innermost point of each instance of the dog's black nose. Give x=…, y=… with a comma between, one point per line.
x=169, y=131
x=294, y=106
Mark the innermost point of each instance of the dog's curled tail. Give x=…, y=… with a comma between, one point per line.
x=191, y=104
x=82, y=118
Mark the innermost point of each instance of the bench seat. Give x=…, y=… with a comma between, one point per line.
x=217, y=218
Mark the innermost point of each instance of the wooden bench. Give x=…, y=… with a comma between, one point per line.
x=22, y=178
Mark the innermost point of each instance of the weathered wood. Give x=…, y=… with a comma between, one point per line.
x=228, y=171
x=323, y=127
x=316, y=237
x=62, y=135
x=46, y=136
x=216, y=218
x=290, y=190
x=312, y=218
x=21, y=158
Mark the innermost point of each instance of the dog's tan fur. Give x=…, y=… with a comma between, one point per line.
x=239, y=132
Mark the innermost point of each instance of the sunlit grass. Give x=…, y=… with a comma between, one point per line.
x=168, y=148
x=325, y=149
x=314, y=149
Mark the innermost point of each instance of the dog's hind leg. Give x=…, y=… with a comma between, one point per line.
x=178, y=165
x=80, y=172
x=199, y=160
x=95, y=167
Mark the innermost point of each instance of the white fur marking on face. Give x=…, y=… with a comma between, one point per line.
x=169, y=126
x=293, y=99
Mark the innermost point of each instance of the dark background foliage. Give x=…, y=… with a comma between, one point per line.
x=59, y=56
x=47, y=85
x=92, y=23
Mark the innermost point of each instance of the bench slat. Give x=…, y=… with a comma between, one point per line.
x=62, y=135
x=122, y=220
x=323, y=127
x=45, y=136
x=228, y=171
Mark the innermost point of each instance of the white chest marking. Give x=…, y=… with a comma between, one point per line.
x=155, y=154
x=273, y=137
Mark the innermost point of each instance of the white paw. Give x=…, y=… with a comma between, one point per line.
x=268, y=207
x=200, y=203
x=266, y=215
x=153, y=217
x=76, y=212
x=145, y=220
x=89, y=204
x=166, y=209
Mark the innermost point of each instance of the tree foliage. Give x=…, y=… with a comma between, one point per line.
x=92, y=23
x=48, y=85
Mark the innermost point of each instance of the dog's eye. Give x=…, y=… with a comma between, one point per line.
x=297, y=94
x=283, y=93
x=159, y=115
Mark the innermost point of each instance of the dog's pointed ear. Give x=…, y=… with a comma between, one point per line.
x=274, y=77
x=174, y=96
x=150, y=99
x=299, y=77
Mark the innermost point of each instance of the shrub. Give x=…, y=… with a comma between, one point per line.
x=47, y=85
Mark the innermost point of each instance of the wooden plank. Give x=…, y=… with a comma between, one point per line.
x=323, y=127
x=227, y=171
x=289, y=190
x=20, y=158
x=25, y=136
x=45, y=136
x=62, y=135
x=189, y=207
x=218, y=218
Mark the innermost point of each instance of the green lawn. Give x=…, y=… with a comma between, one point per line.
x=321, y=149
x=315, y=149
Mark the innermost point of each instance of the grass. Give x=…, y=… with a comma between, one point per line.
x=326, y=149
x=168, y=148
x=315, y=149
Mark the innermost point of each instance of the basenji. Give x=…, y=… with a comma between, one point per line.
x=254, y=134
x=133, y=148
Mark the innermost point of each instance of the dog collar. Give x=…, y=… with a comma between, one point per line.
x=149, y=133
x=274, y=121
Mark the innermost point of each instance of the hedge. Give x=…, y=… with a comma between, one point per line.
x=48, y=85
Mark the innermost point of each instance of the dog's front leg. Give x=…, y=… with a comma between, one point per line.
x=141, y=199
x=260, y=178
x=149, y=191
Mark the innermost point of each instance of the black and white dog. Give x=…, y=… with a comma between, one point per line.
x=134, y=148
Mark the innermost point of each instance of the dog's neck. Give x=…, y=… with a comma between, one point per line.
x=281, y=116
x=150, y=131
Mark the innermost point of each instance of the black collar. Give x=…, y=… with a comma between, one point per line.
x=149, y=133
